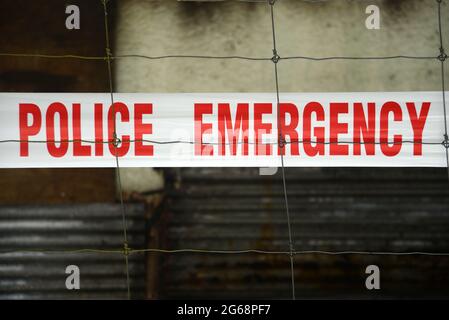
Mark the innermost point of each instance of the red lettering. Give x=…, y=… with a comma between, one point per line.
x=26, y=130
x=366, y=129
x=141, y=128
x=225, y=125
x=318, y=148
x=202, y=128
x=98, y=109
x=261, y=128
x=387, y=108
x=122, y=148
x=337, y=128
x=290, y=129
x=53, y=149
x=418, y=124
x=78, y=148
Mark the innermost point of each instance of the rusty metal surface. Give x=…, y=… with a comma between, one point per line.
x=332, y=209
x=38, y=275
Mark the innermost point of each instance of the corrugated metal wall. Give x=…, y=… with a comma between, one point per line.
x=332, y=209
x=231, y=209
x=38, y=275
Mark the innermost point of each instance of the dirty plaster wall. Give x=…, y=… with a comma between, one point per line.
x=333, y=28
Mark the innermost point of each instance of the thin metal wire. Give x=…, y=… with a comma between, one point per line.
x=293, y=141
x=304, y=252
x=212, y=251
x=442, y=57
x=190, y=57
x=281, y=143
x=124, y=56
x=50, y=56
x=39, y=250
x=358, y=58
x=212, y=57
x=122, y=204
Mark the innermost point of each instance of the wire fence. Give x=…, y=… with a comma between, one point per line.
x=275, y=59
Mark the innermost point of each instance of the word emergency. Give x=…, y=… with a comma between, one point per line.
x=317, y=128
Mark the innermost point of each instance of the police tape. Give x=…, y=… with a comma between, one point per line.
x=221, y=129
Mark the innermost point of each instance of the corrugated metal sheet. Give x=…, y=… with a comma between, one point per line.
x=37, y=275
x=332, y=209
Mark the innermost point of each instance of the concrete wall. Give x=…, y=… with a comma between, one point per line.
x=332, y=28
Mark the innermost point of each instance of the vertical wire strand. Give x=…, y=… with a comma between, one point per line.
x=281, y=144
x=442, y=57
x=122, y=205
x=446, y=138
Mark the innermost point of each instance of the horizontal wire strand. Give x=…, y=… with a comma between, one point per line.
x=226, y=143
x=224, y=252
x=147, y=57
